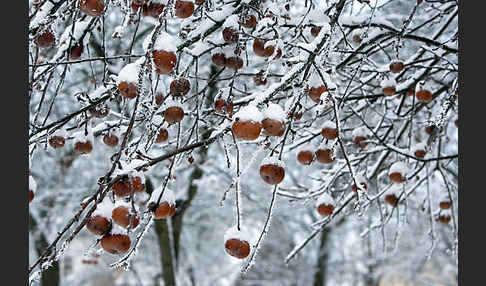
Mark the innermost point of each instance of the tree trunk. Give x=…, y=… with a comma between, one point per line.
x=169, y=263
x=49, y=277
x=320, y=275
x=162, y=231
x=168, y=269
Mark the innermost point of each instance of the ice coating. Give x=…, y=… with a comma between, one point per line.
x=360, y=179
x=157, y=120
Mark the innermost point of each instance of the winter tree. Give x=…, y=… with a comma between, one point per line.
x=243, y=142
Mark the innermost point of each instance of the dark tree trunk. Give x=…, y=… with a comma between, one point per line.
x=170, y=259
x=168, y=269
x=320, y=275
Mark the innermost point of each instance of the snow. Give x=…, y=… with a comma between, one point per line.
x=317, y=17
x=168, y=195
x=399, y=167
x=128, y=205
x=157, y=120
x=81, y=137
x=217, y=50
x=79, y=28
x=329, y=81
x=388, y=82
x=163, y=42
x=32, y=184
x=327, y=145
x=198, y=48
x=329, y=124
x=139, y=174
x=356, y=32
x=361, y=131
x=306, y=147
x=444, y=197
x=104, y=208
x=360, y=179
x=315, y=80
x=40, y=17
x=129, y=73
x=228, y=51
x=248, y=113
x=116, y=229
x=97, y=93
x=272, y=161
x=169, y=102
x=446, y=212
x=419, y=146
x=274, y=111
x=395, y=61
x=60, y=132
x=133, y=165
x=233, y=233
x=231, y=22
x=395, y=189
x=325, y=199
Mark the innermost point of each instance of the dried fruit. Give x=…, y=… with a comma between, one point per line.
x=237, y=248
x=162, y=135
x=184, y=9
x=173, y=114
x=121, y=215
x=180, y=86
x=92, y=7
x=272, y=174
x=116, y=243
x=164, y=210
x=98, y=225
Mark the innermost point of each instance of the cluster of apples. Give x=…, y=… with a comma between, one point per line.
x=444, y=215
x=389, y=85
x=113, y=220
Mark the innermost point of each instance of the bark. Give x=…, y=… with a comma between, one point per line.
x=168, y=267
x=162, y=231
x=320, y=275
x=49, y=277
